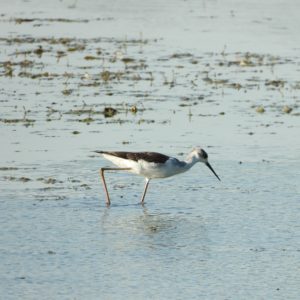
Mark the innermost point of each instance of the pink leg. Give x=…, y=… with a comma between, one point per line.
x=145, y=190
x=104, y=183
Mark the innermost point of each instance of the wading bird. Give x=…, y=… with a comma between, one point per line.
x=152, y=165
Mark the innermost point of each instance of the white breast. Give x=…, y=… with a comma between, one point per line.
x=157, y=170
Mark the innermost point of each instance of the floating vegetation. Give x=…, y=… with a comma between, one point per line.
x=21, y=179
x=109, y=112
x=91, y=84
x=181, y=55
x=128, y=60
x=246, y=62
x=237, y=86
x=53, y=114
x=287, y=109
x=39, y=51
x=119, y=68
x=109, y=76
x=275, y=83
x=38, y=76
x=260, y=109
x=76, y=47
x=48, y=180
x=8, y=168
x=148, y=121
x=81, y=111
x=105, y=75
x=26, y=122
x=216, y=82
x=91, y=57
x=82, y=186
x=60, y=54
x=48, y=197
x=30, y=20
x=87, y=120
x=133, y=109
x=67, y=92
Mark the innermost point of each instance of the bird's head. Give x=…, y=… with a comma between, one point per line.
x=202, y=156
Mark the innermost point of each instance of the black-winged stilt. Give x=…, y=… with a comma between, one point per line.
x=152, y=165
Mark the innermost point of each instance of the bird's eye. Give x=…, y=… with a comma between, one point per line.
x=204, y=154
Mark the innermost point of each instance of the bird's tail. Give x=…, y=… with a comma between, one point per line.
x=100, y=152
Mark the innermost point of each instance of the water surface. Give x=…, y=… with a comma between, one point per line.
x=220, y=75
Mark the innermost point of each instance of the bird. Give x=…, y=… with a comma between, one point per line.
x=151, y=165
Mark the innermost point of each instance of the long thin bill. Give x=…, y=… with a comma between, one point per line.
x=211, y=168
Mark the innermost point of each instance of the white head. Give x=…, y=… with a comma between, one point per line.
x=201, y=156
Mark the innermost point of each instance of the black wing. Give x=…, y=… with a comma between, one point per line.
x=147, y=156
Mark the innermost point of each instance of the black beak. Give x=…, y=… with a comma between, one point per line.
x=211, y=168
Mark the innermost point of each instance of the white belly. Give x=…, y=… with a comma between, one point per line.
x=122, y=163
x=147, y=169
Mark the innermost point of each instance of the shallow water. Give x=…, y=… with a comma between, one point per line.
x=179, y=74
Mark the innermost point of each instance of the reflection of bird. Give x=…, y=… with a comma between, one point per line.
x=152, y=165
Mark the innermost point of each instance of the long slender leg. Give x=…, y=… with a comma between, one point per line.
x=104, y=183
x=145, y=190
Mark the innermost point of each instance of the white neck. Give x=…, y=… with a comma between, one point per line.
x=190, y=161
